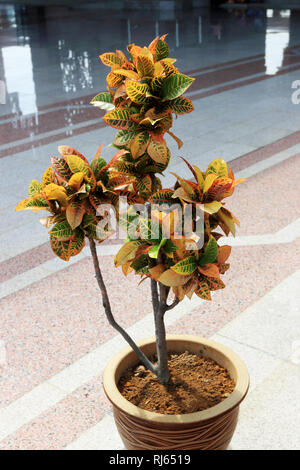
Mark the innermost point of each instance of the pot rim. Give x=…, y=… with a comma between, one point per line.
x=234, y=399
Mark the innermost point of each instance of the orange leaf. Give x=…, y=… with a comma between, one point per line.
x=157, y=271
x=75, y=212
x=209, y=270
x=223, y=253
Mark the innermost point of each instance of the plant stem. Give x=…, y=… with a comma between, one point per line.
x=160, y=306
x=108, y=311
x=155, y=298
x=163, y=372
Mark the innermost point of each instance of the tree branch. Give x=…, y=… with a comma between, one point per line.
x=108, y=311
x=172, y=305
x=155, y=298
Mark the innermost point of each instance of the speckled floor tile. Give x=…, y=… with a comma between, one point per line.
x=50, y=324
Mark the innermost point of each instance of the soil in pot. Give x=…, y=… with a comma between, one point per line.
x=196, y=383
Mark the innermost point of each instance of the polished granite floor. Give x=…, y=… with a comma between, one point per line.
x=53, y=343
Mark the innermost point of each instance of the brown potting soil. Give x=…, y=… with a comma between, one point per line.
x=196, y=383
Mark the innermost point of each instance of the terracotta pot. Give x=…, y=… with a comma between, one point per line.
x=209, y=429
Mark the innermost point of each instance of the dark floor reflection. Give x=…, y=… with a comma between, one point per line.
x=49, y=55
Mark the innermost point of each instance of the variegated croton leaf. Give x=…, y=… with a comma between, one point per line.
x=180, y=262
x=144, y=90
x=72, y=190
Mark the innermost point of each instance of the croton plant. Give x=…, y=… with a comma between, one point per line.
x=144, y=93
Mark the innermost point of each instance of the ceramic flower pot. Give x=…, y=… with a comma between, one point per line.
x=211, y=429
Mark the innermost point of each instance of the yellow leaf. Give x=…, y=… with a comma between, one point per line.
x=77, y=165
x=48, y=177
x=126, y=73
x=200, y=179
x=144, y=64
x=22, y=205
x=113, y=80
x=212, y=207
x=53, y=192
x=218, y=166
x=127, y=252
x=158, y=69
x=209, y=179
x=76, y=180
x=227, y=220
x=172, y=279
x=182, y=194
x=236, y=182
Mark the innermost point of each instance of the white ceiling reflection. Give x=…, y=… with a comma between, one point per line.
x=277, y=39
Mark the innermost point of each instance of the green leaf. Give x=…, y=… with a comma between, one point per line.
x=88, y=219
x=126, y=168
x=169, y=247
x=181, y=105
x=210, y=253
x=103, y=101
x=62, y=231
x=64, y=249
x=124, y=137
x=161, y=50
x=140, y=264
x=144, y=184
x=157, y=84
x=129, y=223
x=186, y=266
x=153, y=252
x=175, y=85
x=97, y=164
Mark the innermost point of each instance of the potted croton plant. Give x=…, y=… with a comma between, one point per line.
x=167, y=392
